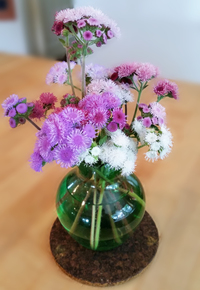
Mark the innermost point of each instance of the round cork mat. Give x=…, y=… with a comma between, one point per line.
x=105, y=268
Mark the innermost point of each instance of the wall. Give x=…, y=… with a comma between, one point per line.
x=163, y=32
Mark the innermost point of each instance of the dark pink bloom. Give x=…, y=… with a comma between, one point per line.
x=112, y=127
x=38, y=111
x=87, y=35
x=114, y=76
x=22, y=108
x=110, y=34
x=48, y=99
x=98, y=33
x=161, y=88
x=79, y=46
x=173, y=88
x=57, y=27
x=119, y=117
x=126, y=70
x=147, y=122
x=146, y=110
x=139, y=118
x=12, y=123
x=12, y=112
x=22, y=120
x=142, y=105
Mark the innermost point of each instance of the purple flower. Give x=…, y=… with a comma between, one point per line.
x=30, y=104
x=146, y=110
x=78, y=140
x=87, y=35
x=44, y=148
x=119, y=117
x=36, y=161
x=93, y=22
x=98, y=33
x=110, y=100
x=142, y=105
x=112, y=127
x=99, y=44
x=81, y=23
x=154, y=121
x=22, y=108
x=104, y=38
x=12, y=112
x=61, y=79
x=160, y=121
x=147, y=122
x=79, y=46
x=65, y=156
x=22, y=120
x=12, y=123
x=89, y=130
x=21, y=100
x=110, y=34
x=10, y=102
x=72, y=115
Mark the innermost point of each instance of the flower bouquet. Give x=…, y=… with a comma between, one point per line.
x=100, y=201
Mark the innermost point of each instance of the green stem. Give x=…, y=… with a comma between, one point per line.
x=134, y=195
x=142, y=146
x=33, y=123
x=98, y=222
x=69, y=72
x=79, y=213
x=83, y=71
x=74, y=86
x=138, y=100
x=93, y=215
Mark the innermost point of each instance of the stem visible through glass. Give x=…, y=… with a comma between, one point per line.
x=99, y=214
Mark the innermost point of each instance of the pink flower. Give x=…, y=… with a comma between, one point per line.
x=98, y=117
x=38, y=111
x=87, y=35
x=104, y=38
x=110, y=34
x=48, y=99
x=89, y=130
x=147, y=122
x=173, y=89
x=93, y=22
x=12, y=123
x=22, y=120
x=126, y=69
x=98, y=33
x=154, y=120
x=81, y=23
x=99, y=44
x=165, y=87
x=57, y=27
x=10, y=102
x=119, y=117
x=146, y=72
x=78, y=140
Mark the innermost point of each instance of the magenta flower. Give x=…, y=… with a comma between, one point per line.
x=161, y=88
x=65, y=156
x=72, y=115
x=87, y=35
x=110, y=34
x=79, y=46
x=110, y=100
x=126, y=69
x=154, y=120
x=22, y=120
x=89, y=131
x=48, y=99
x=57, y=27
x=81, y=23
x=98, y=117
x=38, y=111
x=173, y=88
x=10, y=102
x=119, y=117
x=36, y=161
x=147, y=122
x=93, y=22
x=78, y=140
x=12, y=123
x=160, y=121
x=61, y=79
x=22, y=108
x=12, y=112
x=99, y=44
x=112, y=127
x=139, y=118
x=146, y=72
x=142, y=106
x=146, y=110
x=98, y=33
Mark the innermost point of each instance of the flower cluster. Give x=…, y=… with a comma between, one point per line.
x=93, y=130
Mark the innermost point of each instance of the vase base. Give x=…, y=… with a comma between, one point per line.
x=105, y=268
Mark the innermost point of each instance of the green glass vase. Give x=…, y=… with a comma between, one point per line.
x=100, y=209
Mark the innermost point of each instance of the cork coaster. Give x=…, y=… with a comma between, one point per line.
x=105, y=268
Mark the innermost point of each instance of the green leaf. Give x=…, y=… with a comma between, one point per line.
x=103, y=140
x=62, y=41
x=160, y=98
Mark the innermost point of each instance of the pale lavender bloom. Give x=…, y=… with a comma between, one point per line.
x=157, y=110
x=72, y=115
x=12, y=123
x=104, y=38
x=98, y=33
x=57, y=72
x=89, y=131
x=91, y=101
x=81, y=23
x=65, y=156
x=12, y=112
x=96, y=71
x=22, y=108
x=154, y=120
x=112, y=127
x=126, y=69
x=30, y=104
x=10, y=102
x=146, y=110
x=87, y=35
x=93, y=22
x=78, y=140
x=36, y=161
x=110, y=100
x=110, y=34
x=160, y=121
x=61, y=79
x=147, y=122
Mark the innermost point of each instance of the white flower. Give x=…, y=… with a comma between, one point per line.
x=151, y=156
x=90, y=159
x=166, y=137
x=140, y=129
x=151, y=137
x=165, y=152
x=155, y=146
x=96, y=151
x=96, y=71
